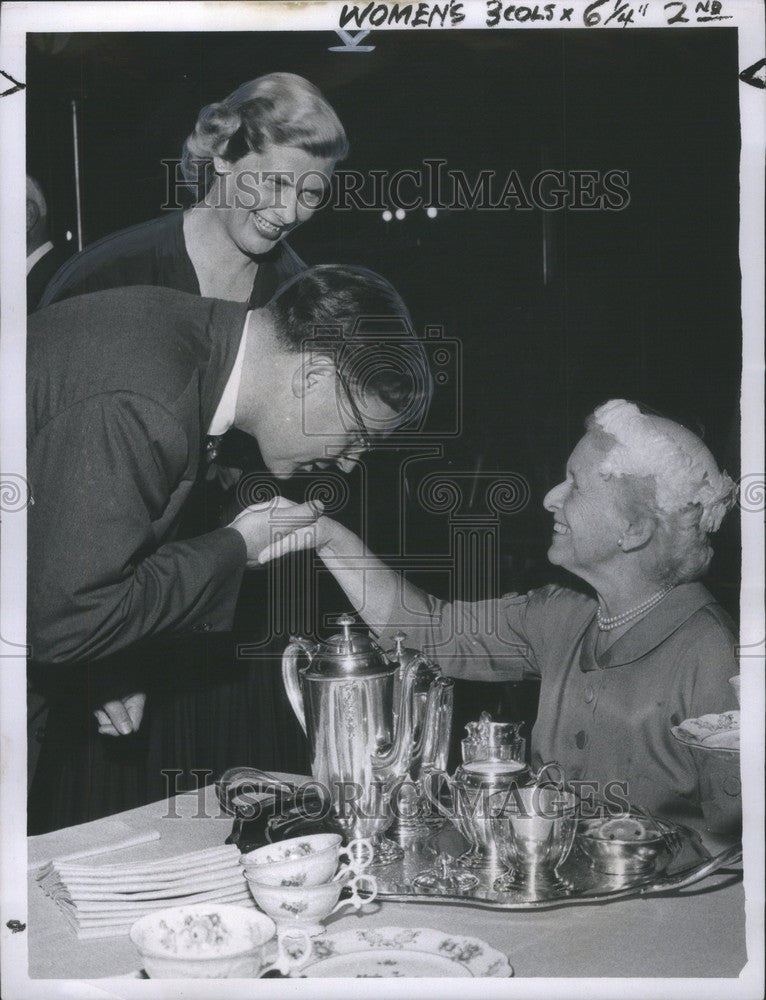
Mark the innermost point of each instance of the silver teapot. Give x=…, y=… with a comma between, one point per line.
x=374, y=722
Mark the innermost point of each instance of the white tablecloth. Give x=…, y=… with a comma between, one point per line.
x=700, y=933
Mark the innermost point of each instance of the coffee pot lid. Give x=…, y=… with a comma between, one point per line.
x=349, y=653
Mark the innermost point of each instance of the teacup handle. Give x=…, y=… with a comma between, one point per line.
x=290, y=956
x=359, y=853
x=365, y=881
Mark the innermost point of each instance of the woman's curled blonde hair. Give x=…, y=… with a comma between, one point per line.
x=280, y=109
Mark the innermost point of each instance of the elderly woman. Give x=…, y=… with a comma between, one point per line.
x=649, y=648
x=260, y=162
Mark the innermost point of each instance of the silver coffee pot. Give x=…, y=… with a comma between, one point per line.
x=374, y=722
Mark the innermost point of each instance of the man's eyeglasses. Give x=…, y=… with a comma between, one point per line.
x=363, y=432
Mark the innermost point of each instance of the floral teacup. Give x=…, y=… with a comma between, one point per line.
x=305, y=861
x=214, y=941
x=308, y=907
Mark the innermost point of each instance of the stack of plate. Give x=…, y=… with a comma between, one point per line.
x=105, y=900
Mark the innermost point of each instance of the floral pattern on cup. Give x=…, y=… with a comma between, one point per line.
x=295, y=880
x=288, y=852
x=309, y=906
x=212, y=941
x=305, y=861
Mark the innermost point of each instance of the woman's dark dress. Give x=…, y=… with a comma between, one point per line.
x=206, y=711
x=154, y=253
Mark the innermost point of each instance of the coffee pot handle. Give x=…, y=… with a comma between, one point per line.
x=438, y=724
x=291, y=678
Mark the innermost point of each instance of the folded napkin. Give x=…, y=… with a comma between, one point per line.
x=104, y=900
x=112, y=925
x=85, y=841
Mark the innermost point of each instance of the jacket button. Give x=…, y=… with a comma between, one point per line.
x=202, y=627
x=581, y=739
x=590, y=694
x=732, y=786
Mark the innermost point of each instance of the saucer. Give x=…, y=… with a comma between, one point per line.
x=398, y=952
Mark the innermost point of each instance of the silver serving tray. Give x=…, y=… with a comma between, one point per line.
x=691, y=863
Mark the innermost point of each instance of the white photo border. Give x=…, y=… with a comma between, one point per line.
x=20, y=18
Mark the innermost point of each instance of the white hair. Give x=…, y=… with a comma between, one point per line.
x=690, y=496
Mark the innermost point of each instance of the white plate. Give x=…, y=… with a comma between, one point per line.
x=700, y=744
x=416, y=952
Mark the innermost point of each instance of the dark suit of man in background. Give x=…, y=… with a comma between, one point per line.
x=43, y=257
x=123, y=388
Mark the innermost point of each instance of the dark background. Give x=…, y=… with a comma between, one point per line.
x=555, y=311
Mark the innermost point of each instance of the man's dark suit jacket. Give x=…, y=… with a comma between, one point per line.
x=41, y=274
x=122, y=386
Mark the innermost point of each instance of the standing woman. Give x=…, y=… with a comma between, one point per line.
x=261, y=162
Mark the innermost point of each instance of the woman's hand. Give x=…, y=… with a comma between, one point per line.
x=373, y=588
x=272, y=521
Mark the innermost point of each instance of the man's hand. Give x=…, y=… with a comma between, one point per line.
x=122, y=716
x=316, y=536
x=262, y=524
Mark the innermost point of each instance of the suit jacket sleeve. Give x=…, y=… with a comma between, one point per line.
x=102, y=473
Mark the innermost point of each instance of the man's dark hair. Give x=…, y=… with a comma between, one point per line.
x=356, y=317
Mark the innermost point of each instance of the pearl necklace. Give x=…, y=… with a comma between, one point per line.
x=607, y=624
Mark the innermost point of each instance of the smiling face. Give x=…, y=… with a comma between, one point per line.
x=588, y=514
x=264, y=196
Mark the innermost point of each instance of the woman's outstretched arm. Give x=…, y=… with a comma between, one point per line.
x=381, y=595
x=482, y=641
